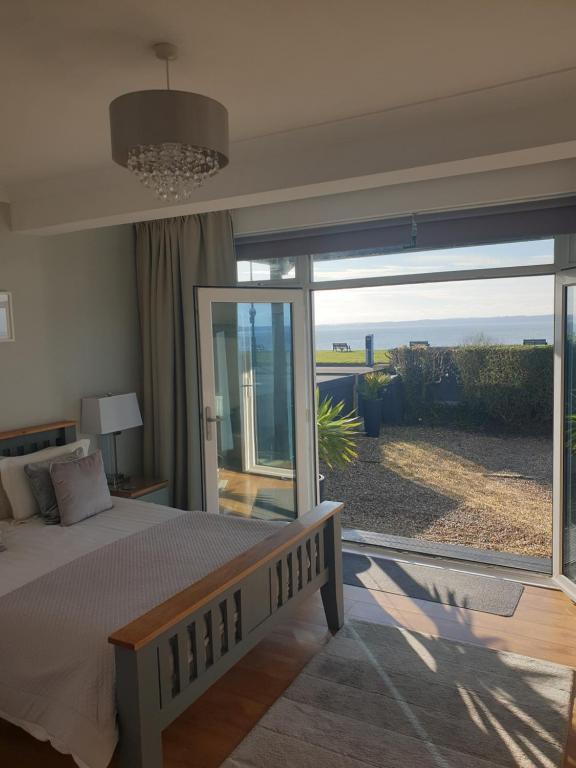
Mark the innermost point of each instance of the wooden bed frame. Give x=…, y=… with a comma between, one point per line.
x=168, y=657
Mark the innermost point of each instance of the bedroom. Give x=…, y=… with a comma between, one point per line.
x=353, y=127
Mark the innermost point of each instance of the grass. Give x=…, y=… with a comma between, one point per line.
x=356, y=357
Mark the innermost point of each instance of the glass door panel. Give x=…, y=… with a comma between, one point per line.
x=265, y=335
x=256, y=423
x=564, y=529
x=566, y=532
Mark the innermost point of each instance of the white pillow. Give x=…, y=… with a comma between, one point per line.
x=5, y=508
x=16, y=483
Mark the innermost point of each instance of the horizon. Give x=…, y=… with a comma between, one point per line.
x=420, y=321
x=438, y=332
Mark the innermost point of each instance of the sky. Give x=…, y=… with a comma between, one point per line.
x=479, y=298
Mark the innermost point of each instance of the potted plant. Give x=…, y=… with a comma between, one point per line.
x=336, y=435
x=370, y=388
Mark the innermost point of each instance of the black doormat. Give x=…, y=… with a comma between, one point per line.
x=433, y=583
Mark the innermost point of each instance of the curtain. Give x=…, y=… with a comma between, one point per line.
x=172, y=257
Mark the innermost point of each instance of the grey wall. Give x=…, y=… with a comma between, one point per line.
x=76, y=324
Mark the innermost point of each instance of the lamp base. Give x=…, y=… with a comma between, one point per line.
x=116, y=479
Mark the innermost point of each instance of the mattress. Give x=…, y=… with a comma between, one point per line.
x=65, y=590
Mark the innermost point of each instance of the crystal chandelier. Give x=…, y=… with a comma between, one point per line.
x=172, y=141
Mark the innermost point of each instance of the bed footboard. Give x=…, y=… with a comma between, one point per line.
x=168, y=657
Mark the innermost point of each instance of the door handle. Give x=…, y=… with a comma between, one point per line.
x=209, y=420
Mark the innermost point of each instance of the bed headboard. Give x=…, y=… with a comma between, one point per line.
x=18, y=442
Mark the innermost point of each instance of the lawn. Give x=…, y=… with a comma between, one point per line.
x=356, y=357
x=449, y=486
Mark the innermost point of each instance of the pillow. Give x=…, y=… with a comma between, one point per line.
x=16, y=483
x=81, y=488
x=5, y=508
x=41, y=484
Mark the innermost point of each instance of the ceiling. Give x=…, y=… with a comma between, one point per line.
x=278, y=65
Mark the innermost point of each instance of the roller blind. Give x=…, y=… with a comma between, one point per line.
x=523, y=221
x=386, y=234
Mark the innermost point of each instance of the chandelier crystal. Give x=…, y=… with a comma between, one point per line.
x=173, y=171
x=171, y=141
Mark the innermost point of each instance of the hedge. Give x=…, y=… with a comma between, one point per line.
x=510, y=387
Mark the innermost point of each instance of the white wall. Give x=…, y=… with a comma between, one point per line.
x=76, y=323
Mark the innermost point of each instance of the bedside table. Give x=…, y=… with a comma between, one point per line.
x=144, y=489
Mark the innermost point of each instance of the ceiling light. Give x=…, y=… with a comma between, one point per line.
x=172, y=141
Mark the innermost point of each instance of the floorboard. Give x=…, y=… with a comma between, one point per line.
x=543, y=626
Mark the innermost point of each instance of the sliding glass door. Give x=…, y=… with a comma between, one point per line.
x=257, y=398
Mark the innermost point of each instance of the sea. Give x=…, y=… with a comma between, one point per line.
x=439, y=333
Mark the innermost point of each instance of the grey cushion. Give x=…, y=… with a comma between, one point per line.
x=81, y=488
x=38, y=475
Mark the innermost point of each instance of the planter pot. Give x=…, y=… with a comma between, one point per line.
x=322, y=484
x=392, y=405
x=372, y=417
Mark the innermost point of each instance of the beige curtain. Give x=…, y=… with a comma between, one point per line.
x=172, y=257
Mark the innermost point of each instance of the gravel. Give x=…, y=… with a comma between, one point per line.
x=450, y=486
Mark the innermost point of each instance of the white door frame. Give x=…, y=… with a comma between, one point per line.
x=305, y=432
x=563, y=280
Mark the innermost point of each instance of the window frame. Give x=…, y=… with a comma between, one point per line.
x=564, y=258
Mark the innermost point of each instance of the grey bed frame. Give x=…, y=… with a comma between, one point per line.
x=19, y=442
x=168, y=657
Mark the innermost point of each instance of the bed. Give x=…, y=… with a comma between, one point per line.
x=112, y=627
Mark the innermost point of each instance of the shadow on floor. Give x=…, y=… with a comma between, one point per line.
x=496, y=708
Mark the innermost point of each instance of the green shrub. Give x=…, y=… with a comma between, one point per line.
x=512, y=385
x=421, y=368
x=508, y=387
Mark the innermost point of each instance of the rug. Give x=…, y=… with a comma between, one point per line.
x=433, y=583
x=385, y=697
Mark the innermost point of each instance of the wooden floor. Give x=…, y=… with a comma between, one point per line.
x=544, y=626
x=241, y=490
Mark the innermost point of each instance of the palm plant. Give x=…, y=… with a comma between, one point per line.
x=372, y=384
x=336, y=433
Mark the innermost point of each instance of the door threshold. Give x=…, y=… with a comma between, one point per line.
x=450, y=551
x=513, y=567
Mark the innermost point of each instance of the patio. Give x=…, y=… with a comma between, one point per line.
x=452, y=487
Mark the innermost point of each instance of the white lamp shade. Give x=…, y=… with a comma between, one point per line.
x=115, y=413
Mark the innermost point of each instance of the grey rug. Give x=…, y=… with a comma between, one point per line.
x=392, y=698
x=438, y=585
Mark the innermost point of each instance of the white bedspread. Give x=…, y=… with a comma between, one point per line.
x=33, y=548
x=64, y=590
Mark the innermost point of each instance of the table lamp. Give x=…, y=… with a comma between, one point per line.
x=111, y=415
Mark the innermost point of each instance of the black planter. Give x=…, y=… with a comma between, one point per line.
x=392, y=406
x=372, y=417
